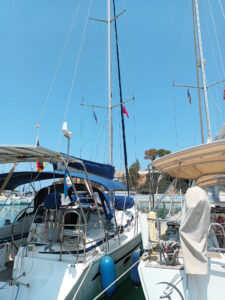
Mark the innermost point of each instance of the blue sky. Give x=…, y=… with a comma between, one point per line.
x=156, y=49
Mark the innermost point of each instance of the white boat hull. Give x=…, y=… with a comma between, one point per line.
x=173, y=284
x=51, y=279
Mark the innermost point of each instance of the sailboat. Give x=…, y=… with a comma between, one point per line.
x=67, y=241
x=82, y=234
x=188, y=261
x=171, y=271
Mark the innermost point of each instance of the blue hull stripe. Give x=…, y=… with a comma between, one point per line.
x=16, y=237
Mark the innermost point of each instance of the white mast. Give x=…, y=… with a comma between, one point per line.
x=197, y=71
x=109, y=86
x=203, y=74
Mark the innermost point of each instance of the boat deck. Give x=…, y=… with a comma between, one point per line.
x=153, y=260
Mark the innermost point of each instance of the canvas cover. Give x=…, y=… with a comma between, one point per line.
x=194, y=230
x=195, y=162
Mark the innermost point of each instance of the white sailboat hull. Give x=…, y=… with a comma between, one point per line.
x=173, y=284
x=11, y=238
x=51, y=279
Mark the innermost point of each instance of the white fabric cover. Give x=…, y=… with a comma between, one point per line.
x=145, y=232
x=194, y=230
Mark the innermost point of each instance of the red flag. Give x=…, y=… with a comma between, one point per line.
x=224, y=93
x=125, y=111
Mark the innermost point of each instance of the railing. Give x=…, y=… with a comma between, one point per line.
x=158, y=223
x=90, y=191
x=60, y=218
x=220, y=249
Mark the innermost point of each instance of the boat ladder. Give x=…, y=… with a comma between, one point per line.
x=72, y=230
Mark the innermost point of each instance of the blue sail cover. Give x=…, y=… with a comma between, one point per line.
x=120, y=202
x=20, y=178
x=109, y=212
x=98, y=169
x=123, y=202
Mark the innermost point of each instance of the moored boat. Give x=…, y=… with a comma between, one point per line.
x=69, y=236
x=188, y=261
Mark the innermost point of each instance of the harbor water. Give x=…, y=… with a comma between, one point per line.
x=127, y=291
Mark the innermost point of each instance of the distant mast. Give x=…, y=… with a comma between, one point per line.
x=203, y=73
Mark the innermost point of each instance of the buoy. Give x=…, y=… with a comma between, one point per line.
x=134, y=276
x=108, y=274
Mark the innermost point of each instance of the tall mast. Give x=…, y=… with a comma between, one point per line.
x=197, y=70
x=109, y=86
x=203, y=74
x=121, y=99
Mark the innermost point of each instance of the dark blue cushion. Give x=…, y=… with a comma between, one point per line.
x=52, y=201
x=123, y=202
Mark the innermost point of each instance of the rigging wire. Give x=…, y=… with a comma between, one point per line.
x=215, y=32
x=218, y=70
x=180, y=52
x=196, y=129
x=57, y=66
x=175, y=118
x=220, y=112
x=174, y=71
x=99, y=130
x=101, y=136
x=81, y=127
x=128, y=50
x=126, y=72
x=130, y=79
x=75, y=70
x=77, y=62
x=95, y=132
x=101, y=66
x=211, y=46
x=221, y=9
x=95, y=137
